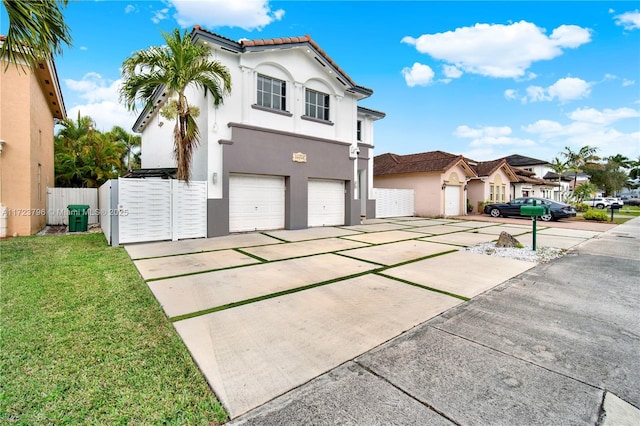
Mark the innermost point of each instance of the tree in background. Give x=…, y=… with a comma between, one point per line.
x=85, y=157
x=578, y=160
x=559, y=167
x=173, y=68
x=609, y=176
x=37, y=31
x=132, y=143
x=583, y=191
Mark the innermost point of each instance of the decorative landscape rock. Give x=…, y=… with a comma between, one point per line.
x=507, y=240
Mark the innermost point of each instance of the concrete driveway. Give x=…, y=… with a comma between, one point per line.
x=264, y=313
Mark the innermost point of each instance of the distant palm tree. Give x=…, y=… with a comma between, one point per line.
x=173, y=68
x=620, y=160
x=577, y=161
x=559, y=167
x=36, y=32
x=131, y=144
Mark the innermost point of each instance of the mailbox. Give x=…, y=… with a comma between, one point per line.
x=535, y=211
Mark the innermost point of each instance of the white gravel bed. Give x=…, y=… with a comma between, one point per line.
x=541, y=255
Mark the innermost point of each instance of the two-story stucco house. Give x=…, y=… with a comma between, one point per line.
x=289, y=148
x=538, y=179
x=30, y=102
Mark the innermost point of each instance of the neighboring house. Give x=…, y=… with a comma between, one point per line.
x=439, y=180
x=289, y=148
x=493, y=182
x=540, y=181
x=30, y=102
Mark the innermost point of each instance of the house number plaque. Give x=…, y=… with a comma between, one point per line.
x=299, y=157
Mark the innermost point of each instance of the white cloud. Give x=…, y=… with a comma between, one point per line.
x=592, y=127
x=606, y=116
x=564, y=90
x=629, y=20
x=511, y=94
x=100, y=102
x=626, y=82
x=160, y=15
x=484, y=137
x=418, y=75
x=245, y=14
x=497, y=50
x=452, y=71
x=129, y=8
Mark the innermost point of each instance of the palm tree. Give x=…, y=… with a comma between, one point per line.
x=577, y=161
x=172, y=68
x=36, y=32
x=620, y=161
x=131, y=144
x=559, y=167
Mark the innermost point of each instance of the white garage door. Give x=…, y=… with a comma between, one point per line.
x=326, y=202
x=452, y=201
x=255, y=202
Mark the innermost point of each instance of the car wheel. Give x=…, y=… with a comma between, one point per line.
x=494, y=212
x=546, y=218
x=600, y=206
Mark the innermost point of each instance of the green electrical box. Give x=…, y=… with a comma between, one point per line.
x=535, y=211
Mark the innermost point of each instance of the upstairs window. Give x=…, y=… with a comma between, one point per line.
x=359, y=131
x=272, y=93
x=317, y=105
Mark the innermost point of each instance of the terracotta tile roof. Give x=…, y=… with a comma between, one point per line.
x=281, y=41
x=433, y=161
x=520, y=160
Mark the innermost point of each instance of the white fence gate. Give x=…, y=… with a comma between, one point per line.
x=59, y=198
x=154, y=210
x=394, y=202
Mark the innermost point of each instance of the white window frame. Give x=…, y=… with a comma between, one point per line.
x=316, y=105
x=267, y=97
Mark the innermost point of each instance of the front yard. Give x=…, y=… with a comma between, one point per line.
x=84, y=341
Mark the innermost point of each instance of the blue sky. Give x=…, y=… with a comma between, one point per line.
x=482, y=79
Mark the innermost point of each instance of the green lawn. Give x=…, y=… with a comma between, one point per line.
x=84, y=342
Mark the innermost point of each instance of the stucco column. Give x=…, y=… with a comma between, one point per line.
x=3, y=210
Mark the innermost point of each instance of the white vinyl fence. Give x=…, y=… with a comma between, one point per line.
x=394, y=202
x=59, y=198
x=142, y=210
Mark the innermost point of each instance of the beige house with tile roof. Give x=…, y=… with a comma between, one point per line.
x=30, y=102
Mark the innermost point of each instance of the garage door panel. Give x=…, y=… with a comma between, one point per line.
x=326, y=202
x=256, y=202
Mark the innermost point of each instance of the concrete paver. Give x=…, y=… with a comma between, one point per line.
x=462, y=273
x=394, y=253
x=423, y=221
x=302, y=248
x=513, y=230
x=252, y=353
x=310, y=234
x=474, y=384
x=563, y=232
x=355, y=397
x=437, y=229
x=465, y=239
x=193, y=293
x=383, y=237
x=170, y=248
x=191, y=263
x=617, y=412
x=378, y=227
x=469, y=223
x=547, y=240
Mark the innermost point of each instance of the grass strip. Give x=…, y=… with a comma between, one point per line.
x=457, y=296
x=253, y=256
x=84, y=341
x=265, y=297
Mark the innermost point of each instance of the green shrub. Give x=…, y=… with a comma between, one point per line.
x=600, y=216
x=581, y=207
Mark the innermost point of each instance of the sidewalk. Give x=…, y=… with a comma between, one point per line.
x=558, y=344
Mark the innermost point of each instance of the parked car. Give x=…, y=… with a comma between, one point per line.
x=512, y=208
x=616, y=203
x=629, y=201
x=597, y=202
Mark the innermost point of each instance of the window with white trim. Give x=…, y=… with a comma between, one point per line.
x=316, y=105
x=272, y=93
